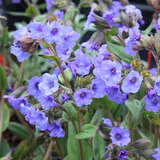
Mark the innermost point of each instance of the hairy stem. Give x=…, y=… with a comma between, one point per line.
x=59, y=149
x=49, y=150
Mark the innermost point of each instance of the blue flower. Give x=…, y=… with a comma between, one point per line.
x=17, y=50
x=65, y=97
x=56, y=130
x=47, y=102
x=90, y=19
x=49, y=84
x=115, y=95
x=157, y=154
x=33, y=87
x=123, y=154
x=36, y=29
x=82, y=97
x=152, y=101
x=107, y=122
x=98, y=88
x=52, y=32
x=132, y=82
x=50, y=4
x=91, y=46
x=109, y=71
x=153, y=71
x=16, y=1
x=82, y=64
x=157, y=85
x=59, y=14
x=129, y=48
x=120, y=136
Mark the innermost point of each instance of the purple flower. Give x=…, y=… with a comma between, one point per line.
x=33, y=87
x=82, y=64
x=59, y=14
x=109, y=71
x=122, y=154
x=82, y=97
x=65, y=97
x=153, y=71
x=98, y=88
x=106, y=149
x=36, y=29
x=45, y=50
x=152, y=101
x=17, y=50
x=63, y=51
x=20, y=103
x=91, y=46
x=16, y=1
x=115, y=95
x=120, y=136
x=21, y=32
x=90, y=19
x=157, y=154
x=47, y=102
x=107, y=122
x=49, y=84
x=103, y=55
x=69, y=36
x=157, y=85
x=129, y=48
x=56, y=130
x=132, y=82
x=50, y=4
x=108, y=16
x=52, y=32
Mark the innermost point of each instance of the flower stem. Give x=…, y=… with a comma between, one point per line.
x=49, y=150
x=130, y=125
x=59, y=149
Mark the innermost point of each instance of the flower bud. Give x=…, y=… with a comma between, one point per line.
x=154, y=4
x=135, y=64
x=146, y=41
x=124, y=18
x=143, y=143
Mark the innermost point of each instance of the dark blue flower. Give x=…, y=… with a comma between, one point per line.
x=123, y=154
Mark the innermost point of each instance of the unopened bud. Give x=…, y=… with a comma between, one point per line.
x=146, y=41
x=154, y=4
x=124, y=18
x=143, y=143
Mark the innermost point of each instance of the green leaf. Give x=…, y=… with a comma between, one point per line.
x=148, y=30
x=38, y=158
x=71, y=109
x=31, y=11
x=5, y=38
x=87, y=131
x=119, y=51
x=68, y=75
x=4, y=148
x=6, y=117
x=53, y=58
x=70, y=13
x=19, y=130
x=97, y=117
x=98, y=146
x=136, y=107
x=74, y=148
x=114, y=31
x=3, y=79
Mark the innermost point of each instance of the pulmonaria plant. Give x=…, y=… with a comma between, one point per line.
x=101, y=80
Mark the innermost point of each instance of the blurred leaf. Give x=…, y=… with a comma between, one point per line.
x=31, y=11
x=68, y=75
x=148, y=30
x=87, y=131
x=97, y=117
x=53, y=58
x=70, y=13
x=98, y=146
x=136, y=107
x=17, y=13
x=70, y=108
x=4, y=148
x=73, y=146
x=3, y=79
x=6, y=117
x=5, y=38
x=119, y=51
x=19, y=130
x=38, y=158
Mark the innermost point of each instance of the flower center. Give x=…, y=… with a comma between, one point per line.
x=83, y=94
x=118, y=136
x=113, y=70
x=155, y=102
x=54, y=31
x=133, y=80
x=94, y=87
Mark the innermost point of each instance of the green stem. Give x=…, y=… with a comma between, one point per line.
x=130, y=125
x=1, y=114
x=49, y=150
x=59, y=149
